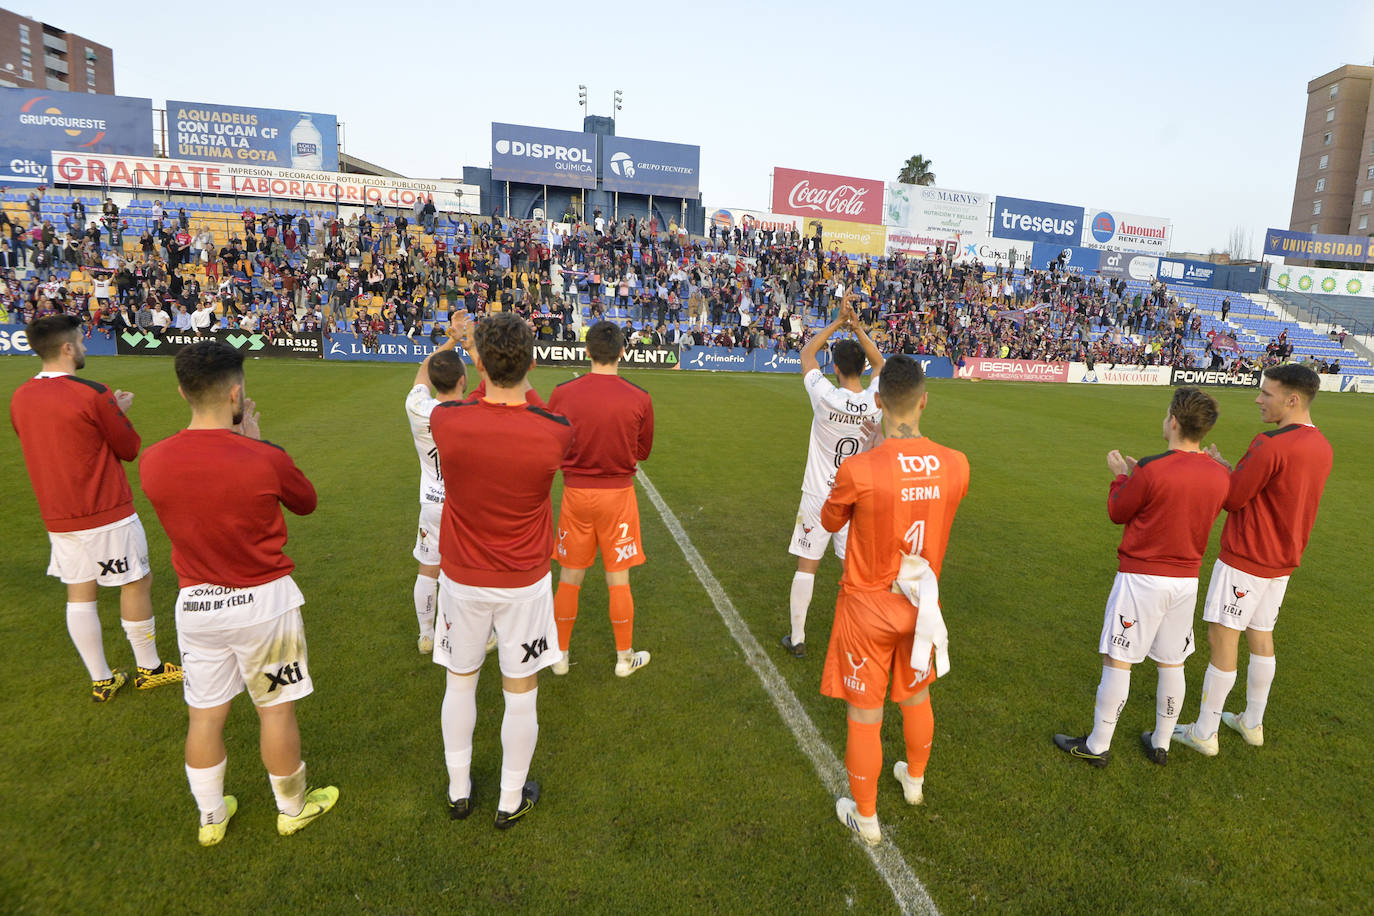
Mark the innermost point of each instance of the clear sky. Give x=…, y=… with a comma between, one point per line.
x=1191, y=111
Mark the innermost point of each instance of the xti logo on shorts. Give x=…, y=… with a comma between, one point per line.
x=534, y=649
x=290, y=673
x=625, y=552
x=114, y=567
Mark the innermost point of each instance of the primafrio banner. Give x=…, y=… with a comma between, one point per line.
x=822, y=196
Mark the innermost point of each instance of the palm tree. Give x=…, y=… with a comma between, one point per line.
x=917, y=171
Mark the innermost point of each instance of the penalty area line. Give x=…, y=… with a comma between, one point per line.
x=911, y=895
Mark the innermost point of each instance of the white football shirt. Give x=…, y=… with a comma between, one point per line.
x=419, y=405
x=844, y=423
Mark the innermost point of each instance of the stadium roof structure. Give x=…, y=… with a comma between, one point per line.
x=358, y=166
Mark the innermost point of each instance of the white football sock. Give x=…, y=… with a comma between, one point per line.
x=83, y=623
x=1259, y=675
x=426, y=598
x=1168, y=704
x=1112, y=691
x=803, y=583
x=207, y=785
x=457, y=718
x=289, y=791
x=143, y=640
x=519, y=733
x=1216, y=684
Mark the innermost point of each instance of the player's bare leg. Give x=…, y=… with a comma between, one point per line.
x=918, y=731
x=565, y=601
x=622, y=609
x=519, y=734
x=1259, y=677
x=863, y=760
x=206, y=762
x=426, y=603
x=1201, y=735
x=799, y=604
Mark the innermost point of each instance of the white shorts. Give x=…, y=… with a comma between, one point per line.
x=1149, y=615
x=526, y=635
x=237, y=638
x=1240, y=601
x=809, y=537
x=113, y=554
x=427, y=541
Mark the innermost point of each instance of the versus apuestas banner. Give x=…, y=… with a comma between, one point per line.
x=543, y=155
x=1036, y=221
x=1311, y=246
x=33, y=123
x=14, y=341
x=1214, y=377
x=1116, y=230
x=289, y=139
x=650, y=167
x=1324, y=280
x=145, y=343
x=819, y=195
x=1012, y=370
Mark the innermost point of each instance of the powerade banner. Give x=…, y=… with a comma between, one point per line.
x=1284, y=243
x=1326, y=280
x=1187, y=273
x=738, y=359
x=33, y=123
x=1013, y=370
x=1079, y=260
x=542, y=155
x=289, y=139
x=1215, y=377
x=1131, y=266
x=14, y=341
x=142, y=343
x=569, y=354
x=1116, y=230
x=650, y=167
x=1036, y=221
x=817, y=194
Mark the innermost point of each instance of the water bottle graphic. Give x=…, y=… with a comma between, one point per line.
x=307, y=145
x=898, y=206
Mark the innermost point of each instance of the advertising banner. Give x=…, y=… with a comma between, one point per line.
x=1360, y=383
x=1325, y=280
x=543, y=155
x=289, y=139
x=836, y=197
x=936, y=210
x=298, y=346
x=1116, y=230
x=738, y=359
x=1131, y=266
x=1214, y=377
x=182, y=176
x=1177, y=272
x=390, y=348
x=35, y=122
x=995, y=252
x=14, y=341
x=1036, y=221
x=846, y=237
x=1308, y=246
x=650, y=167
x=1078, y=260
x=918, y=242
x=725, y=220
x=571, y=354
x=1105, y=374
x=1012, y=370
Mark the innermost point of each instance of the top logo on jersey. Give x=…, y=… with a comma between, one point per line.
x=919, y=464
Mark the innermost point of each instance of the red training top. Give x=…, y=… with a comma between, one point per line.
x=74, y=437
x=614, y=419
x=1168, y=505
x=219, y=496
x=499, y=462
x=531, y=396
x=1275, y=490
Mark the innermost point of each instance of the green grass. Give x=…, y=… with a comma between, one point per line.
x=680, y=789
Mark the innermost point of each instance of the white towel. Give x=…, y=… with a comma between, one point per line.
x=917, y=581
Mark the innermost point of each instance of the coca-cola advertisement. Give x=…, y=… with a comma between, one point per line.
x=816, y=194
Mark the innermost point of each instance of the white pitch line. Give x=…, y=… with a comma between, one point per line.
x=910, y=893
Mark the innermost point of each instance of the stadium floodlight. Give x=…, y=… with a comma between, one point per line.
x=619, y=97
x=582, y=96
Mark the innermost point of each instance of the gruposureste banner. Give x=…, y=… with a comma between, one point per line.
x=253, y=136
x=35, y=122
x=145, y=343
x=543, y=155
x=821, y=195
x=919, y=242
x=1012, y=370
x=1214, y=378
x=14, y=341
x=650, y=167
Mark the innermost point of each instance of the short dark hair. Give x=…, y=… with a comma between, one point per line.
x=446, y=370
x=1293, y=376
x=205, y=367
x=605, y=340
x=849, y=358
x=901, y=382
x=48, y=334
x=1196, y=412
x=505, y=344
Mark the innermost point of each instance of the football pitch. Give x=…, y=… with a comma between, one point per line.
x=683, y=789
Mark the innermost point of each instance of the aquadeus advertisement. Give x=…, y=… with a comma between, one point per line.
x=287, y=139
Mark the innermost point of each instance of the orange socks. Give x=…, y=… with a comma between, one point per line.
x=622, y=617
x=565, y=612
x=863, y=758
x=918, y=728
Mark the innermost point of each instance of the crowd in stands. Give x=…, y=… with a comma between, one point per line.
x=387, y=272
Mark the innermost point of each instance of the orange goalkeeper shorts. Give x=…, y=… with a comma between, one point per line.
x=592, y=518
